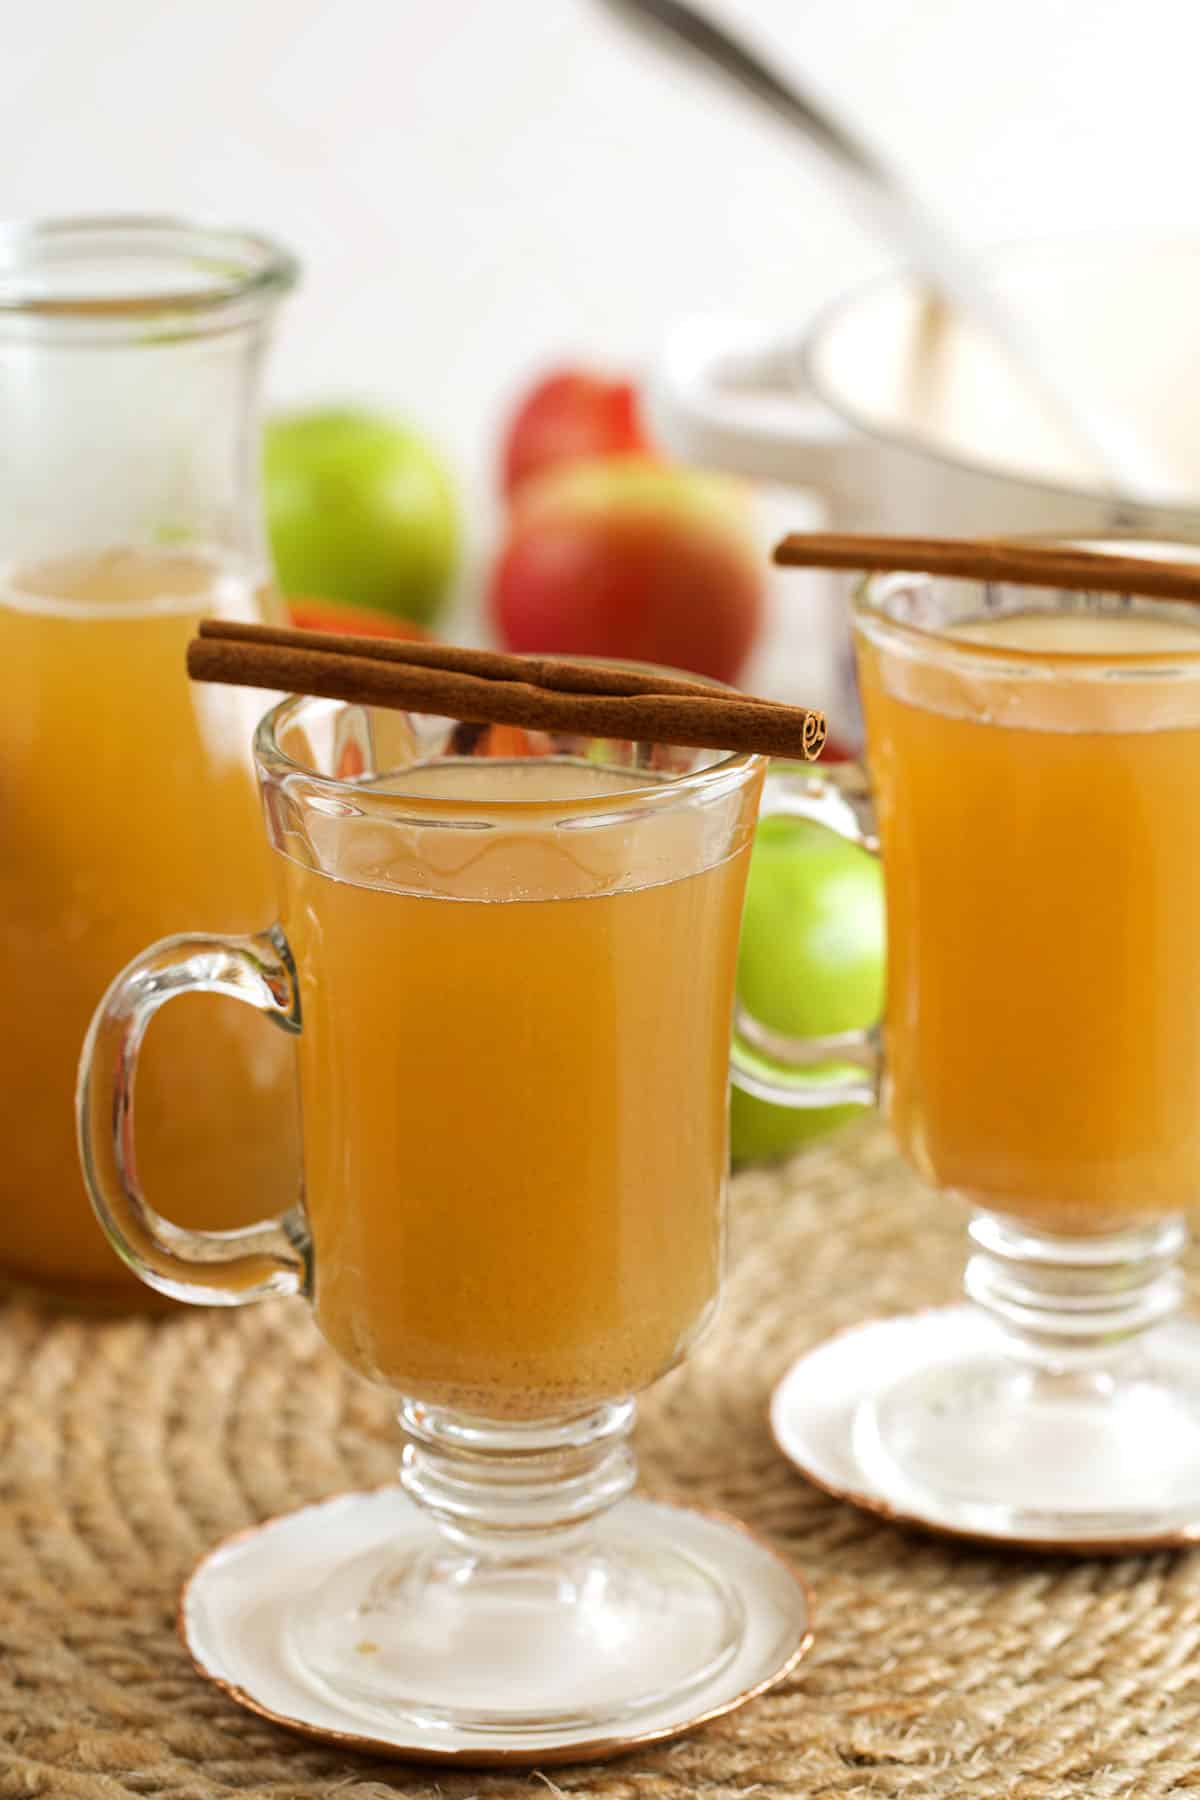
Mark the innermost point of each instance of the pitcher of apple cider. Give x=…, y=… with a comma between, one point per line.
x=129, y=358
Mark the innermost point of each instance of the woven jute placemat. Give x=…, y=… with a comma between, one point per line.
x=128, y=1448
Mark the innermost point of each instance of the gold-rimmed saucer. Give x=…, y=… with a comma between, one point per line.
x=233, y=1608
x=815, y=1406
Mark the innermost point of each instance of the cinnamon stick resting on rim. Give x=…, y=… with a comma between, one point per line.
x=995, y=559
x=488, y=687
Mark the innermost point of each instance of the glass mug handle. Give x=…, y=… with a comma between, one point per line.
x=771, y=1065
x=210, y=1268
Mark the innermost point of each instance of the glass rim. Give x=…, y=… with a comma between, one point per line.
x=232, y=270
x=274, y=764
x=870, y=614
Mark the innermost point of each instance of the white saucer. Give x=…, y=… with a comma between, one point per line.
x=813, y=1411
x=232, y=1611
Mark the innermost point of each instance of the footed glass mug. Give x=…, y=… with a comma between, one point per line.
x=510, y=981
x=1035, y=763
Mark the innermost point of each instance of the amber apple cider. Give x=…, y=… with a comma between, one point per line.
x=1041, y=835
x=128, y=812
x=514, y=1092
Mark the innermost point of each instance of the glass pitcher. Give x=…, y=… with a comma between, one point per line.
x=130, y=351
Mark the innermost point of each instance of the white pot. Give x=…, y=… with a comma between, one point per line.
x=894, y=417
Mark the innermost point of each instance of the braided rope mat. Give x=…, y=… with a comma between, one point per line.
x=127, y=1448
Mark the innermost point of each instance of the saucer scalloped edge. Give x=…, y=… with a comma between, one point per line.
x=233, y=1607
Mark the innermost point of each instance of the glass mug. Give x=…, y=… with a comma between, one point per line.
x=129, y=357
x=1035, y=763
x=510, y=982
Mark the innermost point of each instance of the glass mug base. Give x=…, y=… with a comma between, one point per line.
x=1063, y=1405
x=581, y=1637
x=975, y=1441
x=534, y=1598
x=243, y=1620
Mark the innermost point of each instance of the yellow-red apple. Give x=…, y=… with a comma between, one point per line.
x=627, y=557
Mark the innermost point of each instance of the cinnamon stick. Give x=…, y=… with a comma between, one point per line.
x=384, y=672
x=996, y=559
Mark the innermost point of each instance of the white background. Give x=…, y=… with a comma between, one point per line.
x=479, y=186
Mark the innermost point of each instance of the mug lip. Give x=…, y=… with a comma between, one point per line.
x=275, y=765
x=827, y=317
x=870, y=617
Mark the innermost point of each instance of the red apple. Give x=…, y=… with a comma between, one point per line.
x=569, y=415
x=626, y=557
x=309, y=614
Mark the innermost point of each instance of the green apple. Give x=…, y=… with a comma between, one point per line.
x=360, y=509
x=811, y=962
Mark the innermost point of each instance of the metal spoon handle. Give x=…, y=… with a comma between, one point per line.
x=746, y=67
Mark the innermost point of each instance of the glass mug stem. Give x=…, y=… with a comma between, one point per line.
x=1074, y=1303
x=499, y=1489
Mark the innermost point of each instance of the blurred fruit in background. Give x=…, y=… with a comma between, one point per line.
x=361, y=510
x=623, y=556
x=330, y=615
x=569, y=415
x=612, y=551
x=811, y=962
